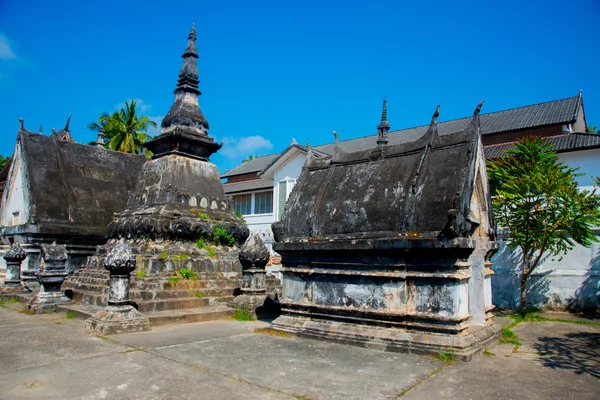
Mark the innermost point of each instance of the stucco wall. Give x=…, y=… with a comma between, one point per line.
x=15, y=197
x=573, y=282
x=588, y=162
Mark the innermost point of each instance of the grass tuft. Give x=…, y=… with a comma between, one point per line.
x=488, y=353
x=140, y=274
x=163, y=255
x=174, y=280
x=243, y=314
x=273, y=332
x=447, y=357
x=70, y=314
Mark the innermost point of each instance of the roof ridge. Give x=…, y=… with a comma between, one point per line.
x=452, y=120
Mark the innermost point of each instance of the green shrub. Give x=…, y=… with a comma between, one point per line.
x=222, y=237
x=187, y=273
x=201, y=244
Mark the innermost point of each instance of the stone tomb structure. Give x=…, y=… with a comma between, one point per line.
x=64, y=192
x=178, y=218
x=390, y=247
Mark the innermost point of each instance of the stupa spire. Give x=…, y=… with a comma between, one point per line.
x=383, y=127
x=184, y=130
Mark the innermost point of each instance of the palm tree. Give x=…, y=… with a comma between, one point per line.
x=124, y=129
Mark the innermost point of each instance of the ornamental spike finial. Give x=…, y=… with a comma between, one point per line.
x=383, y=127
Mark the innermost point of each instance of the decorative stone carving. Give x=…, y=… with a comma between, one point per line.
x=387, y=247
x=51, y=276
x=119, y=315
x=14, y=257
x=254, y=256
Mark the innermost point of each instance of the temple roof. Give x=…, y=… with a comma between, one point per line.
x=74, y=188
x=416, y=187
x=563, y=111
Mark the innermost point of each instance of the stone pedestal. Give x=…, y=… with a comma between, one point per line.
x=51, y=276
x=118, y=316
x=254, y=256
x=14, y=257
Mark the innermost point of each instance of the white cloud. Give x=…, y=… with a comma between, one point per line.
x=6, y=52
x=244, y=146
x=141, y=106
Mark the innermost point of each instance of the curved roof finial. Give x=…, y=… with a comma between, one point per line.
x=21, y=123
x=478, y=108
x=335, y=135
x=68, y=121
x=435, y=115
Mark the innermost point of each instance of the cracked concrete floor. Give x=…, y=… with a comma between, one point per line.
x=52, y=357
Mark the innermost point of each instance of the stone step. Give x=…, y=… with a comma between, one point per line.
x=147, y=295
x=176, y=304
x=158, y=318
x=210, y=313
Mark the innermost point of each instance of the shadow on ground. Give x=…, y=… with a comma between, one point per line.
x=578, y=352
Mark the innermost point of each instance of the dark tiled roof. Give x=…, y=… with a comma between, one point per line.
x=74, y=186
x=562, y=143
x=244, y=186
x=561, y=111
x=255, y=165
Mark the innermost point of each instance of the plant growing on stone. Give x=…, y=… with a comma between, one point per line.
x=140, y=274
x=163, y=255
x=221, y=236
x=187, y=273
x=201, y=244
x=174, y=280
x=538, y=201
x=241, y=217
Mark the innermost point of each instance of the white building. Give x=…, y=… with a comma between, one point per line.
x=261, y=186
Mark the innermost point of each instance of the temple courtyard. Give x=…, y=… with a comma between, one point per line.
x=51, y=356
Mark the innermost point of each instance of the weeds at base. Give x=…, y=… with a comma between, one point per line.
x=243, y=315
x=487, y=353
x=273, y=332
x=446, y=357
x=70, y=315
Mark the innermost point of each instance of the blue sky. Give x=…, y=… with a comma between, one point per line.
x=273, y=71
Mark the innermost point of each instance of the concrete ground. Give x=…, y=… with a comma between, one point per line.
x=52, y=357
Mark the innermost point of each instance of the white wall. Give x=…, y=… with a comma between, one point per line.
x=588, y=162
x=573, y=282
x=290, y=171
x=15, y=197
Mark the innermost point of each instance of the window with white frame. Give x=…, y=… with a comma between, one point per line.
x=263, y=202
x=242, y=203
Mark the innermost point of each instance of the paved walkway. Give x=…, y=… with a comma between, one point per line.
x=51, y=357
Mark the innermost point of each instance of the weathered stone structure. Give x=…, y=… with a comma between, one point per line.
x=390, y=247
x=254, y=256
x=14, y=256
x=50, y=277
x=64, y=192
x=178, y=220
x=119, y=315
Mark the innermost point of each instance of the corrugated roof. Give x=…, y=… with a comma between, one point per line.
x=254, y=165
x=562, y=143
x=244, y=186
x=561, y=111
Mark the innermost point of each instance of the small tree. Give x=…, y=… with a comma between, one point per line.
x=537, y=199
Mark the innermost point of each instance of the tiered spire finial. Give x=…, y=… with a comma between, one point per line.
x=184, y=128
x=383, y=127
